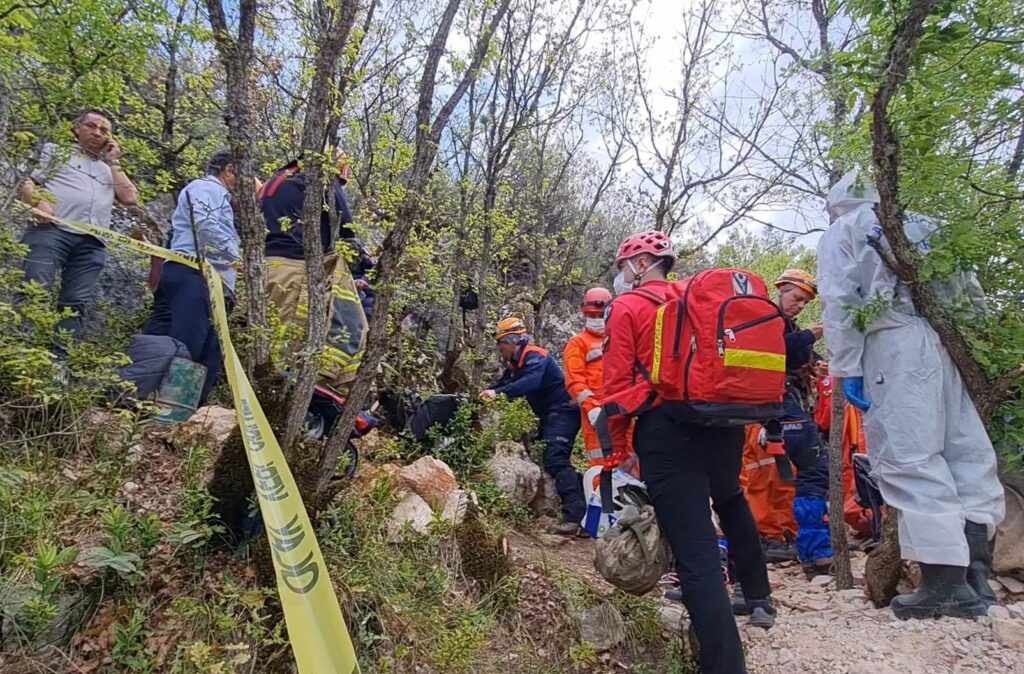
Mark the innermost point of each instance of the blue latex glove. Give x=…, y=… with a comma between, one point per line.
x=853, y=387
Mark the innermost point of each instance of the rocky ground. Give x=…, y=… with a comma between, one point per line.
x=821, y=630
x=566, y=617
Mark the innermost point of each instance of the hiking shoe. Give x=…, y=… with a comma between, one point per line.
x=669, y=584
x=567, y=529
x=944, y=592
x=738, y=601
x=819, y=567
x=762, y=613
x=779, y=551
x=668, y=581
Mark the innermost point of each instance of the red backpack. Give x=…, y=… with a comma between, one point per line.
x=719, y=356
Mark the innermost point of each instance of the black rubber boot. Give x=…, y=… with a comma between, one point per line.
x=779, y=551
x=980, y=567
x=944, y=592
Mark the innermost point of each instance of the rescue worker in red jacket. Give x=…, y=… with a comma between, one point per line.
x=532, y=374
x=686, y=467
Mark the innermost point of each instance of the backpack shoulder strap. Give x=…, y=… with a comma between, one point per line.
x=270, y=187
x=650, y=295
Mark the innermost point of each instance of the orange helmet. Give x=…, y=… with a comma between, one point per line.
x=513, y=325
x=800, y=279
x=595, y=301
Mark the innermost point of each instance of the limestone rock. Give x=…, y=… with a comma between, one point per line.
x=602, y=626
x=514, y=473
x=370, y=475
x=854, y=598
x=212, y=425
x=411, y=510
x=999, y=612
x=671, y=615
x=1009, y=633
x=1009, y=548
x=429, y=478
x=1012, y=585
x=546, y=503
x=457, y=505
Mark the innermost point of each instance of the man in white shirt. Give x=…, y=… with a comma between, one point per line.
x=78, y=184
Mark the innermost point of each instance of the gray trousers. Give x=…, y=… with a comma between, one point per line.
x=77, y=258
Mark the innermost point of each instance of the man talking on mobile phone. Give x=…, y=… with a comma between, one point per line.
x=78, y=184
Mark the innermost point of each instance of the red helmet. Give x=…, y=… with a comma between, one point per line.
x=595, y=301
x=653, y=242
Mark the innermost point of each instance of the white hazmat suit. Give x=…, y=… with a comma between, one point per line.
x=929, y=450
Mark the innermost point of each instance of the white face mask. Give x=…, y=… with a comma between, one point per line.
x=619, y=285
x=595, y=325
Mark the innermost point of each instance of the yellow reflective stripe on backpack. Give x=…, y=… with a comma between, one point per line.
x=659, y=325
x=757, y=360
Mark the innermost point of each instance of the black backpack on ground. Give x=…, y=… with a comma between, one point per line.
x=437, y=410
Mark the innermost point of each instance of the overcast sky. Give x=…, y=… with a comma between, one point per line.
x=663, y=21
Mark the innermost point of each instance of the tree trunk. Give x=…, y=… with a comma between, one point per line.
x=837, y=493
x=236, y=55
x=316, y=168
x=885, y=565
x=428, y=134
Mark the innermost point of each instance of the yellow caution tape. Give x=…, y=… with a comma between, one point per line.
x=320, y=641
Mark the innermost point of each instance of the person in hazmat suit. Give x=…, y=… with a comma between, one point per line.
x=928, y=448
x=533, y=374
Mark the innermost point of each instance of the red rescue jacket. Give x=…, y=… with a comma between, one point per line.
x=628, y=347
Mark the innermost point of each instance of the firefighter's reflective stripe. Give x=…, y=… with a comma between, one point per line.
x=770, y=461
x=594, y=354
x=583, y=396
x=595, y=455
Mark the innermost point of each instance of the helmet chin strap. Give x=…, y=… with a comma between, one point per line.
x=637, y=276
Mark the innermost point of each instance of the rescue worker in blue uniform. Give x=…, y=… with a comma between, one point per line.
x=533, y=374
x=797, y=288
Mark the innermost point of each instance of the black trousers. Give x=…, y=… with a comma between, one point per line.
x=181, y=309
x=685, y=467
x=558, y=429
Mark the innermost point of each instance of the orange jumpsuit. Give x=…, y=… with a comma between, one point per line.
x=584, y=380
x=770, y=498
x=853, y=442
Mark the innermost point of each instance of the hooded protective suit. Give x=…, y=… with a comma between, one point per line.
x=929, y=449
